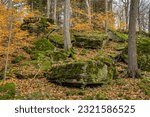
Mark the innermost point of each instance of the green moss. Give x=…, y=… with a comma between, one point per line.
x=57, y=55
x=118, y=37
x=61, y=55
x=82, y=72
x=143, y=52
x=143, y=62
x=38, y=25
x=27, y=49
x=57, y=40
x=18, y=59
x=36, y=55
x=145, y=86
x=83, y=52
x=120, y=82
x=7, y=91
x=92, y=41
x=43, y=45
x=42, y=62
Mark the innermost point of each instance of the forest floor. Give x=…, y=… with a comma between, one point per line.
x=40, y=88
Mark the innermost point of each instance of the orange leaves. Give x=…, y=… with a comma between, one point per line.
x=82, y=27
x=81, y=22
x=19, y=37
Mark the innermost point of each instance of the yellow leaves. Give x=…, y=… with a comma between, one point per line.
x=19, y=37
x=82, y=27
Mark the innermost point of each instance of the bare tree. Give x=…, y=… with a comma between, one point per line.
x=89, y=11
x=10, y=25
x=67, y=40
x=48, y=8
x=133, y=71
x=106, y=13
x=55, y=11
x=126, y=4
x=149, y=21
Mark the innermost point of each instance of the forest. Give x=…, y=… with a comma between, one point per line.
x=74, y=49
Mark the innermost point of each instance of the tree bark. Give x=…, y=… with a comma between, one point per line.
x=67, y=40
x=10, y=26
x=55, y=12
x=89, y=11
x=48, y=8
x=133, y=71
x=106, y=13
x=138, y=17
x=149, y=22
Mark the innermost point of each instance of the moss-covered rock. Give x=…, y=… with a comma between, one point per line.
x=117, y=36
x=36, y=25
x=58, y=55
x=143, y=52
x=82, y=73
x=57, y=40
x=7, y=91
x=89, y=41
x=43, y=45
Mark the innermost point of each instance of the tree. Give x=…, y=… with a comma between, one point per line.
x=149, y=21
x=55, y=12
x=89, y=11
x=67, y=40
x=126, y=4
x=106, y=13
x=48, y=8
x=133, y=71
x=10, y=25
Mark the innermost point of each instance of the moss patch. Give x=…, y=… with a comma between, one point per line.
x=7, y=91
x=145, y=86
x=43, y=45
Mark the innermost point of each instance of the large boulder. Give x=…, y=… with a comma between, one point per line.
x=143, y=53
x=81, y=73
x=90, y=41
x=117, y=36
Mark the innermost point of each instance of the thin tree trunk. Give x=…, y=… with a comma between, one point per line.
x=138, y=17
x=89, y=11
x=48, y=8
x=126, y=13
x=133, y=71
x=149, y=22
x=106, y=13
x=55, y=11
x=67, y=40
x=10, y=24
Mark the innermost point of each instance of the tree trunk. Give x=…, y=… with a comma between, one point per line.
x=138, y=17
x=133, y=71
x=48, y=8
x=89, y=11
x=149, y=22
x=67, y=40
x=55, y=12
x=106, y=13
x=126, y=13
x=10, y=25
